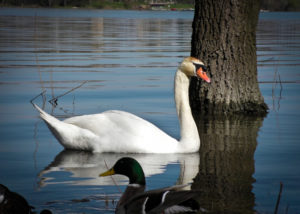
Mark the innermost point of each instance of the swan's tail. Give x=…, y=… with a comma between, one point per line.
x=56, y=126
x=69, y=136
x=46, y=117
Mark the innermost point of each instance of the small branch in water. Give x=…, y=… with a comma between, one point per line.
x=113, y=178
x=54, y=100
x=274, y=87
x=40, y=94
x=278, y=198
x=287, y=209
x=279, y=92
x=276, y=80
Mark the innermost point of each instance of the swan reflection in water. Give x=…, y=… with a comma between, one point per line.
x=86, y=166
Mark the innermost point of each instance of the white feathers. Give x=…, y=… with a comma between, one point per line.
x=1, y=198
x=144, y=205
x=178, y=209
x=164, y=197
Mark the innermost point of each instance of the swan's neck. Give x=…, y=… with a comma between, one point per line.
x=190, y=140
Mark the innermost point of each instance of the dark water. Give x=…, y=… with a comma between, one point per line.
x=128, y=59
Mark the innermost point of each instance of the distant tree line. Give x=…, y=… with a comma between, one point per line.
x=280, y=5
x=270, y=5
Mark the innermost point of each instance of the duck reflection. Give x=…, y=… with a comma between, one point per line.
x=227, y=163
x=86, y=166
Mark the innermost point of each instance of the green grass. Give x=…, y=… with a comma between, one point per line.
x=113, y=5
x=182, y=6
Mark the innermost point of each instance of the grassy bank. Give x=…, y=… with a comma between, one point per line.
x=113, y=5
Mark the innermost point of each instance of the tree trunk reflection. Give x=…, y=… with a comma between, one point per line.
x=227, y=163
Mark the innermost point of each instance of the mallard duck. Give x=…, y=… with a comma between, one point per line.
x=14, y=203
x=123, y=132
x=136, y=200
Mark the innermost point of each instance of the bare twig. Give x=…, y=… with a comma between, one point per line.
x=54, y=100
x=40, y=94
x=36, y=144
x=279, y=92
x=278, y=198
x=36, y=52
x=274, y=87
x=287, y=209
x=275, y=82
x=113, y=179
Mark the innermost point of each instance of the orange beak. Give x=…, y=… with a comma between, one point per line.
x=202, y=75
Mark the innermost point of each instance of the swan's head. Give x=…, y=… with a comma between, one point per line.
x=194, y=67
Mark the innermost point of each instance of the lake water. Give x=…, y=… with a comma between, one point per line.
x=126, y=60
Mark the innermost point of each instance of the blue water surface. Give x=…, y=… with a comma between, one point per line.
x=128, y=60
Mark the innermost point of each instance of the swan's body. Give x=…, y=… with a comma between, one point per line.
x=123, y=132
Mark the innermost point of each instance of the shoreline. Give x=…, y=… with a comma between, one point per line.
x=91, y=8
x=110, y=6
x=123, y=8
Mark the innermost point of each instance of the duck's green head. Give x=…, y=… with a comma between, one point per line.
x=129, y=167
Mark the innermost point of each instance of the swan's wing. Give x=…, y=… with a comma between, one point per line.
x=110, y=121
x=110, y=131
x=124, y=132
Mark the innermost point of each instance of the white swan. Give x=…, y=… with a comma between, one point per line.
x=123, y=132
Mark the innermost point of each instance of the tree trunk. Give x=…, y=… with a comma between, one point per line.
x=224, y=38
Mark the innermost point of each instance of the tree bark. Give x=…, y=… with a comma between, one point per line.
x=224, y=38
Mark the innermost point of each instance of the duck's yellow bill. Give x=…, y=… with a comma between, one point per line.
x=107, y=173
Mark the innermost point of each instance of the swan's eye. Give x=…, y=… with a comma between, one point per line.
x=197, y=66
